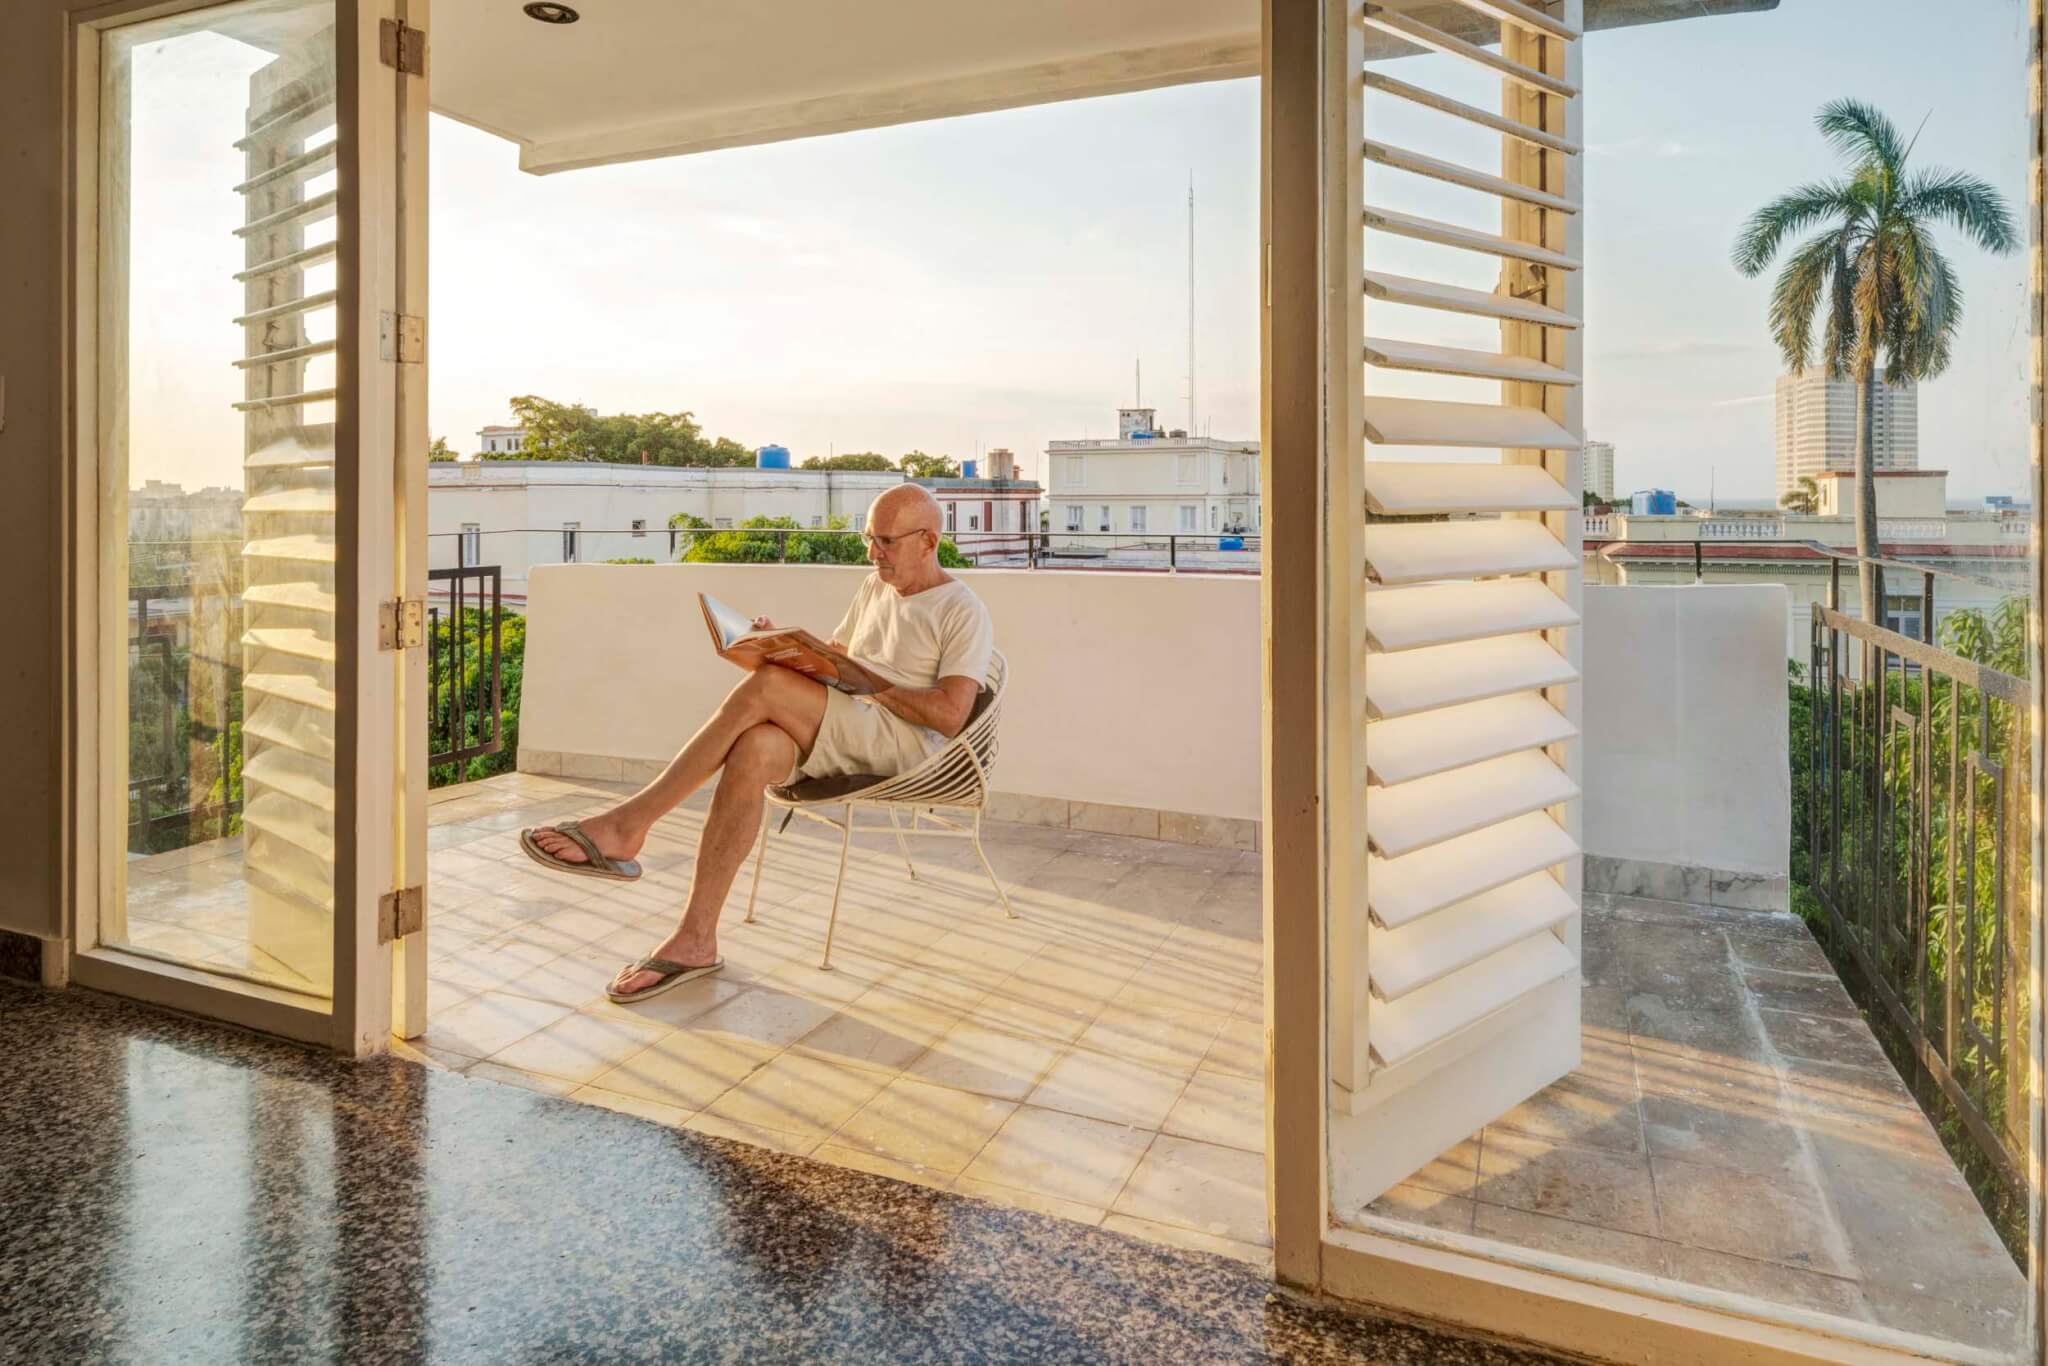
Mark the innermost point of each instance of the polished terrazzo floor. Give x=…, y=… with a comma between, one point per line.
x=179, y=1192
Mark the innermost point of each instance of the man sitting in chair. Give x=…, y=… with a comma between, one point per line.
x=911, y=622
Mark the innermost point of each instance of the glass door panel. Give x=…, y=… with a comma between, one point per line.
x=219, y=275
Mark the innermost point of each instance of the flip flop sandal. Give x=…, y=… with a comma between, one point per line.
x=612, y=870
x=672, y=974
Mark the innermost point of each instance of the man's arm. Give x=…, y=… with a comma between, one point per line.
x=944, y=708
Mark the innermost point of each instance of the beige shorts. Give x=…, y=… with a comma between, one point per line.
x=859, y=736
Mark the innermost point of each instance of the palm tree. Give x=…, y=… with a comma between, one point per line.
x=1876, y=274
x=1803, y=500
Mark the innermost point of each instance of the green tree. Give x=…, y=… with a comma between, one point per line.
x=685, y=523
x=440, y=450
x=855, y=460
x=571, y=431
x=1803, y=500
x=1874, y=272
x=918, y=465
x=475, y=671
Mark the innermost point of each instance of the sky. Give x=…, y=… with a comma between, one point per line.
x=992, y=280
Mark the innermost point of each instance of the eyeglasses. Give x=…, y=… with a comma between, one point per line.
x=871, y=540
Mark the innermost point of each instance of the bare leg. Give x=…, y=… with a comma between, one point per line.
x=768, y=696
x=760, y=756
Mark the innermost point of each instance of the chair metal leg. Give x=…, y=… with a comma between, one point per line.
x=760, y=857
x=901, y=847
x=986, y=867
x=832, y=920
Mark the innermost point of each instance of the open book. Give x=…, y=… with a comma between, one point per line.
x=735, y=638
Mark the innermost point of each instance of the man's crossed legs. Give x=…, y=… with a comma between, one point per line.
x=755, y=736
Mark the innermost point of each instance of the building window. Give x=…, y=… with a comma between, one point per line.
x=469, y=550
x=973, y=521
x=860, y=521
x=639, y=526
x=952, y=510
x=1902, y=614
x=1102, y=517
x=1137, y=519
x=1187, y=517
x=817, y=521
x=572, y=537
x=722, y=523
x=1212, y=516
x=1073, y=516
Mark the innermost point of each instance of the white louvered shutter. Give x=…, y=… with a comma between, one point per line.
x=288, y=512
x=1454, y=935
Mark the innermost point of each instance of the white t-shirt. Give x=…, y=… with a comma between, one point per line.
x=915, y=641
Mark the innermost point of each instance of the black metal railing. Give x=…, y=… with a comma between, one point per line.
x=465, y=663
x=155, y=822
x=1214, y=552
x=1918, y=821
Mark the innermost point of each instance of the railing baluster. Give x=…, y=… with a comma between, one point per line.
x=1882, y=913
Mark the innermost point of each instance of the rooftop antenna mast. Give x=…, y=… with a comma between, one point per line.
x=1192, y=429
x=1138, y=372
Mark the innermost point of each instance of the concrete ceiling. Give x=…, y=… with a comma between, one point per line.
x=651, y=78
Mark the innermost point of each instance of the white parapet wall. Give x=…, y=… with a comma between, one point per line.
x=1133, y=704
x=1687, y=777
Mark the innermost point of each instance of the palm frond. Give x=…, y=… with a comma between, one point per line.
x=1966, y=202
x=1790, y=213
x=1861, y=132
x=1930, y=309
x=1838, y=342
x=1801, y=286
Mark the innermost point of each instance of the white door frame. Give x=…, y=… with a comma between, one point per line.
x=380, y=412
x=1311, y=86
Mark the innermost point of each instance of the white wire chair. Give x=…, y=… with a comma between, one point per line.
x=954, y=778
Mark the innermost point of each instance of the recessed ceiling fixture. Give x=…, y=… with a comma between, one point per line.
x=550, y=13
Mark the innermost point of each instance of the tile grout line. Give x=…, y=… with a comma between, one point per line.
x=1809, y=1160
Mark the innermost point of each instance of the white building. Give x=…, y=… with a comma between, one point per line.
x=1817, y=427
x=990, y=512
x=1914, y=523
x=1599, y=466
x=515, y=514
x=1149, y=483
x=500, y=440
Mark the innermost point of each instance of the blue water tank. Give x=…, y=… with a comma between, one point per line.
x=1654, y=503
x=968, y=467
x=772, y=458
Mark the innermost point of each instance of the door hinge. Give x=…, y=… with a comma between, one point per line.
x=402, y=46
x=401, y=913
x=401, y=624
x=402, y=337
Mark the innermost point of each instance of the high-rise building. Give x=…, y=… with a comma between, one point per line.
x=1817, y=426
x=1599, y=470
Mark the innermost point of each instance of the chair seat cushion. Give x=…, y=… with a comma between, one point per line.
x=838, y=787
x=833, y=788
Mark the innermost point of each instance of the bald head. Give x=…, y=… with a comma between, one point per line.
x=906, y=560
x=907, y=507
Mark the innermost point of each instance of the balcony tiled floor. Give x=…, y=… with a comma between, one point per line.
x=1098, y=1057
x=1733, y=1126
